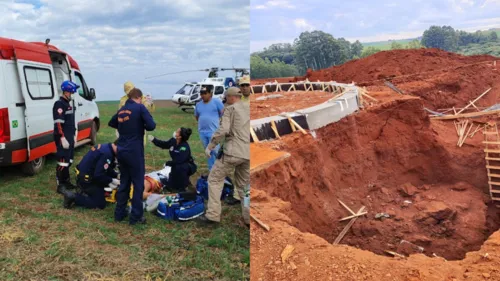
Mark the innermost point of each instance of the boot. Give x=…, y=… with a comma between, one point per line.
x=140, y=221
x=69, y=199
x=230, y=200
x=61, y=188
x=204, y=221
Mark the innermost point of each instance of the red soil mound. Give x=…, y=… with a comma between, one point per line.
x=387, y=64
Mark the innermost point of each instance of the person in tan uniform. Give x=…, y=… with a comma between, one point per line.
x=244, y=84
x=127, y=87
x=234, y=129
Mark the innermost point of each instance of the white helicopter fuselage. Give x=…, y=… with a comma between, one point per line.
x=189, y=94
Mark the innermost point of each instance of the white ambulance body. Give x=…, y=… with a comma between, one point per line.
x=30, y=83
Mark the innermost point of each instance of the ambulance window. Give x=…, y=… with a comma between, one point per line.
x=83, y=91
x=219, y=90
x=39, y=83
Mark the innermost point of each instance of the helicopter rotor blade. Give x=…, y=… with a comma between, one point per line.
x=177, y=73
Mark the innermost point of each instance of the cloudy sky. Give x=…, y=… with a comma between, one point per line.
x=118, y=40
x=275, y=21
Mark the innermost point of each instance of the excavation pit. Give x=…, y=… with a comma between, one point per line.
x=422, y=193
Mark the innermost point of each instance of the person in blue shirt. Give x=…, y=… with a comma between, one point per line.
x=95, y=172
x=182, y=162
x=208, y=112
x=131, y=120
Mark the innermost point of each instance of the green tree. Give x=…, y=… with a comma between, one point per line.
x=356, y=49
x=414, y=44
x=493, y=37
x=396, y=45
x=265, y=68
x=444, y=38
x=369, y=51
x=318, y=49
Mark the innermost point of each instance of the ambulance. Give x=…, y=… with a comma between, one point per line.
x=31, y=74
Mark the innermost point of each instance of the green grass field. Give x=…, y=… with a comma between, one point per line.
x=40, y=240
x=386, y=45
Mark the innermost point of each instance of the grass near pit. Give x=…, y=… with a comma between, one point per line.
x=40, y=240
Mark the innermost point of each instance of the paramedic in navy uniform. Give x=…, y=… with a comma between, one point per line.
x=95, y=172
x=131, y=120
x=64, y=135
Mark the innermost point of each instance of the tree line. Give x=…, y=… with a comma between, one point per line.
x=318, y=50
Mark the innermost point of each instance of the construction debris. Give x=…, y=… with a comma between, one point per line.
x=348, y=226
x=259, y=222
x=285, y=254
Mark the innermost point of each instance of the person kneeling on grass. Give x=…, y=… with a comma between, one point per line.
x=182, y=162
x=94, y=173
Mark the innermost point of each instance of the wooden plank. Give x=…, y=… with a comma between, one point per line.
x=347, y=227
x=291, y=124
x=345, y=206
x=467, y=115
x=275, y=130
x=492, y=150
x=254, y=136
x=353, y=216
x=494, y=182
x=259, y=222
x=491, y=142
x=492, y=158
x=394, y=254
x=495, y=198
x=493, y=167
x=368, y=96
x=465, y=136
x=489, y=133
x=472, y=102
x=494, y=175
x=297, y=125
x=494, y=191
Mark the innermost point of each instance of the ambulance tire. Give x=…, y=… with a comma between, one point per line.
x=34, y=167
x=93, y=134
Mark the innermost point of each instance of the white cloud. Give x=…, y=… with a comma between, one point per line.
x=490, y=2
x=302, y=24
x=275, y=4
x=387, y=36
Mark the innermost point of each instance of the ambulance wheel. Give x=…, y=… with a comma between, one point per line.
x=34, y=167
x=93, y=134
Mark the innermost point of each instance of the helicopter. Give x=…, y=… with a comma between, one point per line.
x=189, y=94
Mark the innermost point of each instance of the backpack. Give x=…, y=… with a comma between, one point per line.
x=181, y=207
x=202, y=188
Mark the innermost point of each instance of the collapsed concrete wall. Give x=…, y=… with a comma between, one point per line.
x=310, y=118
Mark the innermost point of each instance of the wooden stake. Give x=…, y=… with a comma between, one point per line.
x=353, y=216
x=370, y=97
x=291, y=124
x=275, y=130
x=297, y=125
x=345, y=206
x=254, y=136
x=347, y=227
x=259, y=222
x=465, y=136
x=467, y=115
x=472, y=102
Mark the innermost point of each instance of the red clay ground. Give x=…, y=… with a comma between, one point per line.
x=378, y=158
x=288, y=102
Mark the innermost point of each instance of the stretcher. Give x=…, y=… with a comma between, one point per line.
x=154, y=182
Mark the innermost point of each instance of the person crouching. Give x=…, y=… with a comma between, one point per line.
x=182, y=162
x=95, y=172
